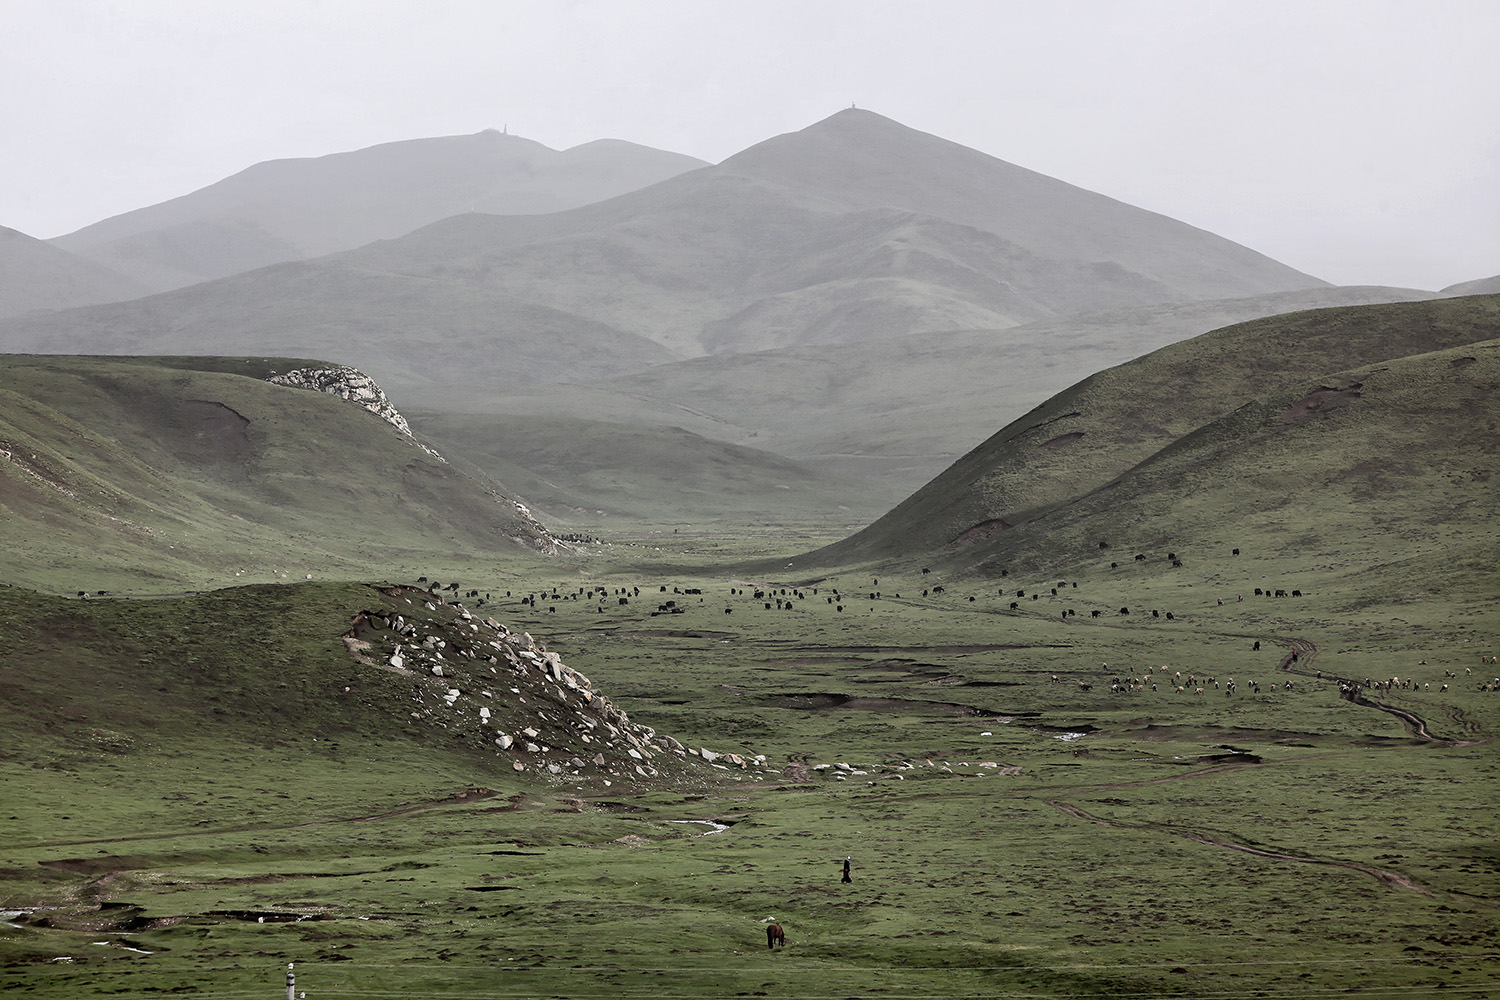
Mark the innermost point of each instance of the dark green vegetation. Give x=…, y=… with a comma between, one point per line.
x=159, y=474
x=198, y=790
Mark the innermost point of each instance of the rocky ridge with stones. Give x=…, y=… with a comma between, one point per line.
x=506, y=692
x=353, y=385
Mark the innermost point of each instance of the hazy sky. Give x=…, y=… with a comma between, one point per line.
x=1358, y=140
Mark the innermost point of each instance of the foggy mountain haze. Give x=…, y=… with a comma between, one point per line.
x=36, y=276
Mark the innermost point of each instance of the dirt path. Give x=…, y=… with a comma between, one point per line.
x=1351, y=691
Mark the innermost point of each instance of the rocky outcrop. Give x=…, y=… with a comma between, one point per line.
x=351, y=384
x=506, y=692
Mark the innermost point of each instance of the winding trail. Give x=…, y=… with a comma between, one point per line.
x=1350, y=690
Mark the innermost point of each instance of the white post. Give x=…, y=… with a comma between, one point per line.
x=291, y=983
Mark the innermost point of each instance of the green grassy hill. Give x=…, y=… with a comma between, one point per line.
x=1376, y=479
x=1086, y=438
x=153, y=474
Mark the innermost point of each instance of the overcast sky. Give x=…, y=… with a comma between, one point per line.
x=1358, y=140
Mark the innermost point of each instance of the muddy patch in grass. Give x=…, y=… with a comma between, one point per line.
x=1192, y=734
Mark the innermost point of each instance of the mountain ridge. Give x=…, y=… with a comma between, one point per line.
x=289, y=209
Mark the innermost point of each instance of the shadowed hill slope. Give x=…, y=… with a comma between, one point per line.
x=258, y=669
x=1087, y=436
x=284, y=210
x=150, y=474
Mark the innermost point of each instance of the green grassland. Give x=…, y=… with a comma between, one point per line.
x=185, y=768
x=200, y=789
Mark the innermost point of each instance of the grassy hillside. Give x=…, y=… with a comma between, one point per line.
x=1083, y=438
x=150, y=474
x=1374, y=479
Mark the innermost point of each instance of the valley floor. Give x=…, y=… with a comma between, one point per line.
x=1033, y=805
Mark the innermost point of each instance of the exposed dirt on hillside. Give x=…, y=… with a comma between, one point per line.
x=1323, y=399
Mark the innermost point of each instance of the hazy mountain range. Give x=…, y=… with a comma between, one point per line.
x=36, y=276
x=284, y=210
x=859, y=296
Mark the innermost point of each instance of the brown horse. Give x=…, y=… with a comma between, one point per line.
x=775, y=936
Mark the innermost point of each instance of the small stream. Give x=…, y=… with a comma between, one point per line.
x=717, y=827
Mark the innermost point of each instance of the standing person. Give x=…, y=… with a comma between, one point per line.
x=846, y=869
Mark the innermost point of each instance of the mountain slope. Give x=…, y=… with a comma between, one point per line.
x=291, y=209
x=160, y=473
x=859, y=158
x=894, y=413
x=1479, y=286
x=1083, y=438
x=38, y=277
x=412, y=334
